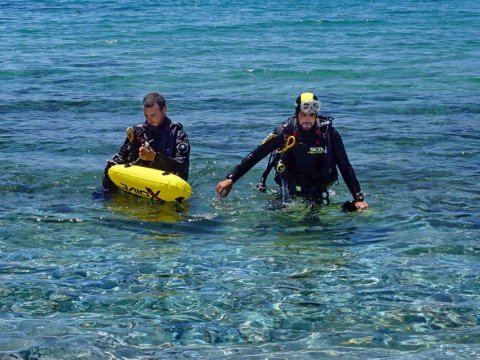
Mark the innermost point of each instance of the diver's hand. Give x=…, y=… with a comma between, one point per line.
x=224, y=187
x=361, y=205
x=147, y=153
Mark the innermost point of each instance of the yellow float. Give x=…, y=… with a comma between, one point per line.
x=150, y=183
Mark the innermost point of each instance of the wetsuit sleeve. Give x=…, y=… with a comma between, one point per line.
x=118, y=158
x=344, y=165
x=180, y=161
x=122, y=155
x=273, y=141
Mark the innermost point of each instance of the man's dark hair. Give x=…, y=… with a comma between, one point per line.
x=154, y=98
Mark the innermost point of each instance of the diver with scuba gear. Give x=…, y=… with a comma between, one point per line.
x=157, y=143
x=305, y=152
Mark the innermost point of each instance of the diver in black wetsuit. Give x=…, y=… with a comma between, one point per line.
x=306, y=151
x=158, y=143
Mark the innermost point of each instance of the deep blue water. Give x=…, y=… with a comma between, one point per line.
x=242, y=277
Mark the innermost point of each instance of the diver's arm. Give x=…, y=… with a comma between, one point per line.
x=347, y=172
x=121, y=156
x=254, y=157
x=273, y=141
x=178, y=164
x=344, y=165
x=118, y=158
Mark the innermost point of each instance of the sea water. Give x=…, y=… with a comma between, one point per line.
x=83, y=276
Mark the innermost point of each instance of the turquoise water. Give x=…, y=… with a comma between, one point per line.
x=242, y=277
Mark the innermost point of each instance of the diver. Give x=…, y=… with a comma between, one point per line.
x=305, y=152
x=157, y=143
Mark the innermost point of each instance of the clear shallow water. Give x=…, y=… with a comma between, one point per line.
x=85, y=277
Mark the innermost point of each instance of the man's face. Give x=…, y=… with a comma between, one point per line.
x=154, y=115
x=306, y=121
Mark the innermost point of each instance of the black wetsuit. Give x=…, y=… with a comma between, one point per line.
x=311, y=165
x=168, y=140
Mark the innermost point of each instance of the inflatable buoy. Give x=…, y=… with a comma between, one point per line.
x=150, y=183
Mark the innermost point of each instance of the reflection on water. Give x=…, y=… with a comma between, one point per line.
x=135, y=207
